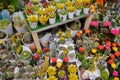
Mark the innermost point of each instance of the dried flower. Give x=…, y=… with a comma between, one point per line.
x=107, y=24
x=94, y=23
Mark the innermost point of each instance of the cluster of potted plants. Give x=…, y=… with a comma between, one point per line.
x=36, y=13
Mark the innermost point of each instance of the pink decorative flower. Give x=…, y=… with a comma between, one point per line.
x=115, y=31
x=115, y=73
x=107, y=48
x=107, y=24
x=94, y=23
x=29, y=4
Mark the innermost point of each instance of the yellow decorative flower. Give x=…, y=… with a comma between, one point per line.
x=113, y=65
x=78, y=2
x=62, y=38
x=52, y=78
x=60, y=32
x=71, y=8
x=39, y=51
x=115, y=49
x=94, y=50
x=73, y=77
x=42, y=11
x=43, y=19
x=116, y=78
x=0, y=41
x=51, y=70
x=69, y=3
x=50, y=9
x=59, y=64
x=32, y=18
x=80, y=31
x=60, y=6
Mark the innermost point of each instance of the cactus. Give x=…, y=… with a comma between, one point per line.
x=10, y=75
x=18, y=75
x=29, y=68
x=4, y=24
x=27, y=38
x=104, y=74
x=4, y=75
x=11, y=8
x=68, y=34
x=5, y=14
x=21, y=70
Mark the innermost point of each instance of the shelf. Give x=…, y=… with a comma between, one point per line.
x=48, y=26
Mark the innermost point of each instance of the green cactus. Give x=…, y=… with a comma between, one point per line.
x=10, y=75
x=11, y=8
x=104, y=74
x=21, y=70
x=27, y=37
x=4, y=75
x=85, y=64
x=28, y=68
x=80, y=57
x=68, y=34
x=4, y=24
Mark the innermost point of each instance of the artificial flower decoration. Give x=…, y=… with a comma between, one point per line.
x=42, y=11
x=54, y=59
x=60, y=6
x=115, y=31
x=116, y=78
x=107, y=24
x=107, y=48
x=94, y=23
x=50, y=9
x=117, y=54
x=66, y=59
x=81, y=49
x=78, y=34
x=100, y=47
x=115, y=49
x=33, y=18
x=111, y=61
x=69, y=3
x=94, y=50
x=87, y=31
x=112, y=56
x=43, y=19
x=113, y=65
x=71, y=8
x=59, y=64
x=115, y=73
x=114, y=44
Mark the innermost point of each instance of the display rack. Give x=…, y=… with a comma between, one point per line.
x=35, y=31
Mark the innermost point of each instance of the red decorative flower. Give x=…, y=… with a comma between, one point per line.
x=114, y=44
x=117, y=54
x=65, y=59
x=54, y=59
x=45, y=50
x=81, y=49
x=112, y=56
x=111, y=61
x=100, y=47
x=108, y=44
x=119, y=44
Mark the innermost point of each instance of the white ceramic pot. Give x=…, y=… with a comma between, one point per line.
x=52, y=20
x=63, y=17
x=86, y=10
x=4, y=39
x=21, y=29
x=27, y=45
x=77, y=12
x=71, y=15
x=33, y=25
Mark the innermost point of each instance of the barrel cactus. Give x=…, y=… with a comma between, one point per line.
x=4, y=75
x=27, y=38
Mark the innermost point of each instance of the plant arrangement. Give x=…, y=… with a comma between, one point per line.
x=27, y=38
x=71, y=11
x=43, y=19
x=42, y=11
x=60, y=6
x=2, y=35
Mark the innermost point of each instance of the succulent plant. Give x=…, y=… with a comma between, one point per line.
x=61, y=73
x=68, y=34
x=51, y=71
x=4, y=24
x=5, y=14
x=101, y=65
x=1, y=64
x=70, y=48
x=4, y=75
x=62, y=55
x=73, y=77
x=25, y=55
x=85, y=64
x=21, y=70
x=92, y=66
x=1, y=6
x=80, y=57
x=29, y=68
x=27, y=38
x=104, y=74
x=11, y=8
x=18, y=75
x=10, y=75
x=72, y=68
x=63, y=12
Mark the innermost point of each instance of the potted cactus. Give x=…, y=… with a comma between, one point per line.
x=52, y=17
x=3, y=36
x=6, y=26
x=27, y=39
x=43, y=19
x=71, y=11
x=63, y=15
x=33, y=21
x=59, y=6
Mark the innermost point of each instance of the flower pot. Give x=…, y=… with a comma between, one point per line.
x=33, y=25
x=9, y=29
x=52, y=20
x=5, y=38
x=86, y=10
x=71, y=15
x=73, y=32
x=77, y=12
x=27, y=44
x=63, y=17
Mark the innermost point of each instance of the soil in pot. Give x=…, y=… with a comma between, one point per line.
x=2, y=35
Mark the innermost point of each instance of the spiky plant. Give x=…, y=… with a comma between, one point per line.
x=4, y=75
x=10, y=75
